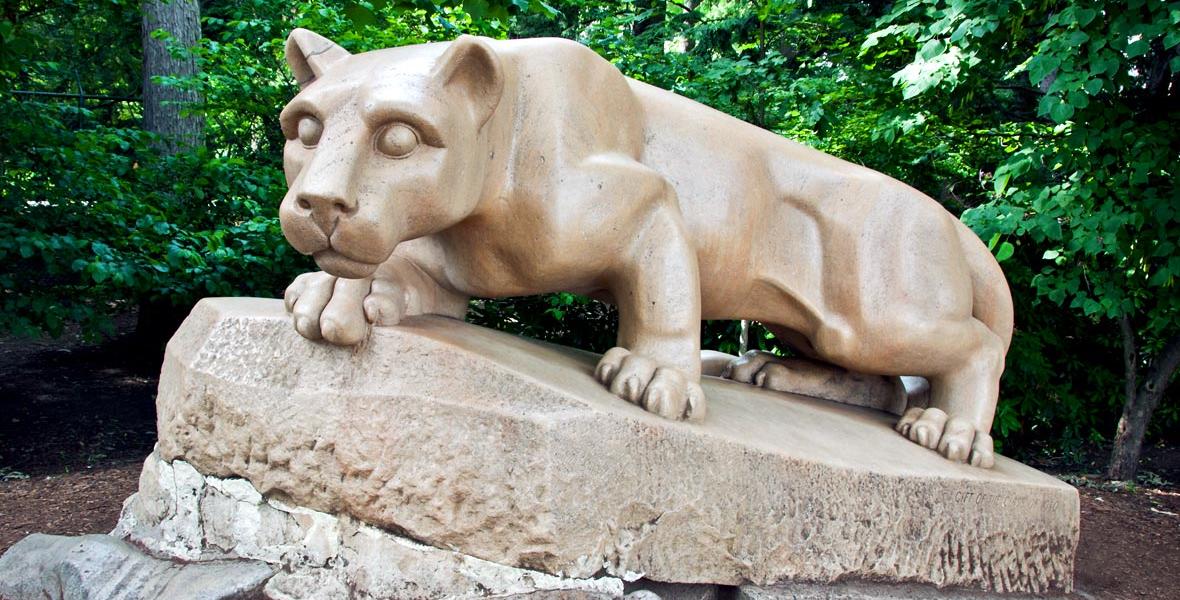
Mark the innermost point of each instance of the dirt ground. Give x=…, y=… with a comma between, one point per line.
x=85, y=501
x=77, y=421
x=1130, y=545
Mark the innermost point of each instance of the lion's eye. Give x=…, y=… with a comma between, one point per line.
x=310, y=130
x=397, y=141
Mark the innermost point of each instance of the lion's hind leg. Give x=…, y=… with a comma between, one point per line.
x=818, y=379
x=960, y=357
x=963, y=399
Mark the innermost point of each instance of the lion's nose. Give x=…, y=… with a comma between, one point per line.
x=326, y=210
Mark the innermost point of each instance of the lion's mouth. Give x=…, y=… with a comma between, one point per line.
x=342, y=266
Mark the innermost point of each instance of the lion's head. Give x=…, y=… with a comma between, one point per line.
x=383, y=146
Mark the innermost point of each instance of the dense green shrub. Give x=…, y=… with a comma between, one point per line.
x=982, y=104
x=97, y=221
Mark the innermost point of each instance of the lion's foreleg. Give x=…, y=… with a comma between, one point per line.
x=340, y=311
x=408, y=284
x=658, y=295
x=656, y=286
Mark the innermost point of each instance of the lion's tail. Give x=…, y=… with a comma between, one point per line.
x=992, y=298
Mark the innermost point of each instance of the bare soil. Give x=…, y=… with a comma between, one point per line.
x=67, y=406
x=77, y=421
x=74, y=503
x=1130, y=545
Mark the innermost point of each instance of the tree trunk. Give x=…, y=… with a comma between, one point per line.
x=163, y=104
x=1141, y=402
x=163, y=108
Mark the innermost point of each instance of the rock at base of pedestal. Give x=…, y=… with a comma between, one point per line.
x=100, y=567
x=211, y=538
x=182, y=514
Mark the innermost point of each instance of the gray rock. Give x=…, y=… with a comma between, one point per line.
x=100, y=567
x=658, y=590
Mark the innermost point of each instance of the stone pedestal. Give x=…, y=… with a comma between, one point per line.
x=505, y=450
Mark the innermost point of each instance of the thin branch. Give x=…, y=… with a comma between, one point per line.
x=687, y=9
x=1017, y=87
x=1022, y=134
x=76, y=95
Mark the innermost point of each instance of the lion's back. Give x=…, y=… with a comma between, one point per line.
x=583, y=100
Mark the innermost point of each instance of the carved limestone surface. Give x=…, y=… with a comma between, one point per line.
x=508, y=450
x=423, y=175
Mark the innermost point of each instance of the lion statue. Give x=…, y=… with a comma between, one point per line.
x=423, y=175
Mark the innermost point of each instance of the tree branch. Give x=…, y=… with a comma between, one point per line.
x=1163, y=366
x=75, y=95
x=687, y=9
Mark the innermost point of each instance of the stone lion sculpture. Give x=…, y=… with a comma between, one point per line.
x=423, y=175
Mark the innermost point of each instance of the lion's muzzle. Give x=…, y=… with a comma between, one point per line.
x=325, y=210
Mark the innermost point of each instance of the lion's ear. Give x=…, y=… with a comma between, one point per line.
x=471, y=66
x=309, y=54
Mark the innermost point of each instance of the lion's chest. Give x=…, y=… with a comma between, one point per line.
x=518, y=257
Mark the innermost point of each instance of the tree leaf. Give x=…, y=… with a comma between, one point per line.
x=1061, y=111
x=360, y=15
x=1137, y=48
x=1171, y=38
x=1005, y=252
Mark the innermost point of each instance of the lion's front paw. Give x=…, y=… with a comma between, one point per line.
x=340, y=310
x=328, y=307
x=664, y=390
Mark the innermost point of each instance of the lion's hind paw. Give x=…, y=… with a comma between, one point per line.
x=954, y=438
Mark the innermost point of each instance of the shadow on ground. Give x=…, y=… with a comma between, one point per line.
x=67, y=406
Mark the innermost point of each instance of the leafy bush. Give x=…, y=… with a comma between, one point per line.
x=1056, y=149
x=98, y=221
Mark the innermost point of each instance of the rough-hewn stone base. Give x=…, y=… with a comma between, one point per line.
x=507, y=450
x=859, y=590
x=180, y=513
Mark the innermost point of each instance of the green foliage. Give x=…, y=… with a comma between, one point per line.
x=1050, y=126
x=1093, y=180
x=561, y=318
x=96, y=220
x=1086, y=99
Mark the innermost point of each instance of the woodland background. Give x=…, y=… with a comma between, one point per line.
x=141, y=161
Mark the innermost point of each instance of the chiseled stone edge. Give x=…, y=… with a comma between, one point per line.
x=180, y=513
